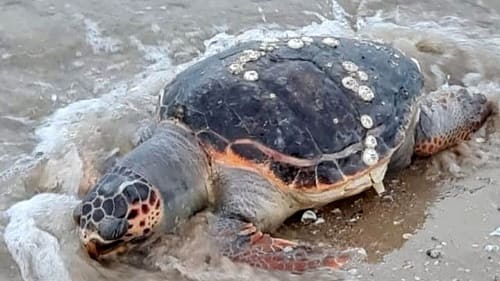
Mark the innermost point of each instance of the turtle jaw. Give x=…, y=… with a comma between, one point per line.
x=97, y=249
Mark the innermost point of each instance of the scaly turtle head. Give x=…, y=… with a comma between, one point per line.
x=122, y=209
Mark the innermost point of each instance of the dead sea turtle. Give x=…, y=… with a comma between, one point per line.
x=265, y=129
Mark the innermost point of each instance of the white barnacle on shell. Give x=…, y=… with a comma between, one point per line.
x=272, y=40
x=268, y=46
x=335, y=120
x=362, y=75
x=393, y=63
x=366, y=93
x=307, y=39
x=370, y=141
x=236, y=68
x=251, y=75
x=329, y=41
x=251, y=55
x=263, y=46
x=350, y=83
x=370, y=156
x=295, y=43
x=243, y=59
x=366, y=121
x=349, y=66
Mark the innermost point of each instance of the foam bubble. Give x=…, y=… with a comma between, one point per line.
x=32, y=235
x=100, y=43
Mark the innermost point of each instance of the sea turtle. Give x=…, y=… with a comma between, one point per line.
x=265, y=129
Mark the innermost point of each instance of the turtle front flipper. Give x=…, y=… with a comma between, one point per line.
x=144, y=132
x=449, y=118
x=243, y=242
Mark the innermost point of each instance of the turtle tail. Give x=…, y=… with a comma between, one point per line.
x=448, y=118
x=243, y=242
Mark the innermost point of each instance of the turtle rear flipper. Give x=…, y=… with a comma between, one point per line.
x=247, y=205
x=243, y=242
x=449, y=118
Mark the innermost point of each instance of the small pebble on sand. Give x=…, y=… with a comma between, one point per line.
x=319, y=221
x=336, y=211
x=491, y=248
x=433, y=253
x=496, y=232
x=407, y=236
x=309, y=216
x=480, y=140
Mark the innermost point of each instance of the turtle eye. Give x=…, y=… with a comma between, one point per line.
x=112, y=228
x=77, y=213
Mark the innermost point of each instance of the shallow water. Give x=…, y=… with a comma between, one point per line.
x=78, y=79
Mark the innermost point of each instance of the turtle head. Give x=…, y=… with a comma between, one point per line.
x=121, y=210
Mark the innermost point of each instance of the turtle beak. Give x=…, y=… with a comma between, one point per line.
x=91, y=247
x=96, y=249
